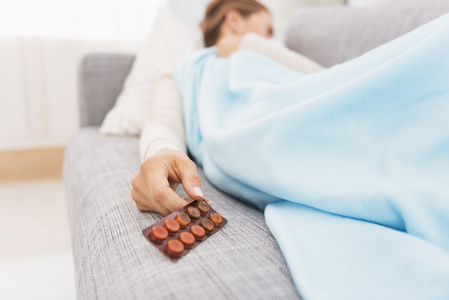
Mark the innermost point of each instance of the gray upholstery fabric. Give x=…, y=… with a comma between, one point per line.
x=101, y=78
x=114, y=261
x=332, y=35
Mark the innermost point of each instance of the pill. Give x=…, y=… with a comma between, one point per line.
x=216, y=219
x=187, y=238
x=193, y=212
x=171, y=225
x=174, y=247
x=197, y=231
x=159, y=233
x=183, y=219
x=202, y=206
x=207, y=225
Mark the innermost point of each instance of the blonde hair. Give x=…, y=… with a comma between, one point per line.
x=216, y=12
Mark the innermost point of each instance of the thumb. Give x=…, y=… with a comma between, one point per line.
x=191, y=181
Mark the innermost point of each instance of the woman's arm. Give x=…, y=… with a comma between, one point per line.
x=165, y=128
x=162, y=150
x=288, y=58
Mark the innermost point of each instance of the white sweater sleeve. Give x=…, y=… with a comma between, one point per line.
x=284, y=56
x=165, y=128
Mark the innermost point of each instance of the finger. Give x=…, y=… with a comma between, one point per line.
x=141, y=202
x=162, y=209
x=138, y=190
x=171, y=201
x=139, y=186
x=145, y=204
x=191, y=181
x=162, y=195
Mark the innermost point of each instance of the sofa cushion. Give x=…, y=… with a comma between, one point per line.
x=114, y=261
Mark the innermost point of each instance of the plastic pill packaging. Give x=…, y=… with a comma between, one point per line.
x=182, y=230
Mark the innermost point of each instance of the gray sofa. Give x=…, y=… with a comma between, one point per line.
x=242, y=261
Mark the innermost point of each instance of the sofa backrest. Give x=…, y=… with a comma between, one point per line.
x=334, y=34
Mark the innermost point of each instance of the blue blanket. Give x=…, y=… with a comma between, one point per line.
x=351, y=164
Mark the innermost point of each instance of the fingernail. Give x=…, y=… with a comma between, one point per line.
x=198, y=191
x=208, y=201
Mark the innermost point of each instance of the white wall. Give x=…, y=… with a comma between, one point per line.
x=38, y=88
x=368, y=2
x=40, y=50
x=281, y=10
x=190, y=12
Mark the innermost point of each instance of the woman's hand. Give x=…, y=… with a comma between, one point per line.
x=227, y=45
x=151, y=187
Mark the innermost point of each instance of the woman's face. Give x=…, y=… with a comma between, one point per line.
x=260, y=23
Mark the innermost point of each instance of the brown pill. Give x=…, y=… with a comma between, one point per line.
x=216, y=218
x=193, y=212
x=174, y=247
x=197, y=231
x=187, y=238
x=183, y=219
x=159, y=233
x=207, y=225
x=171, y=225
x=202, y=206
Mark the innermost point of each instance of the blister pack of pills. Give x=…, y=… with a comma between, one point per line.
x=182, y=230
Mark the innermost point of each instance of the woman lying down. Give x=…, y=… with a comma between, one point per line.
x=351, y=161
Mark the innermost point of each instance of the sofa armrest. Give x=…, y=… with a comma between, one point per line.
x=113, y=260
x=101, y=78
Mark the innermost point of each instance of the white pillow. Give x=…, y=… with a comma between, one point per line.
x=168, y=43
